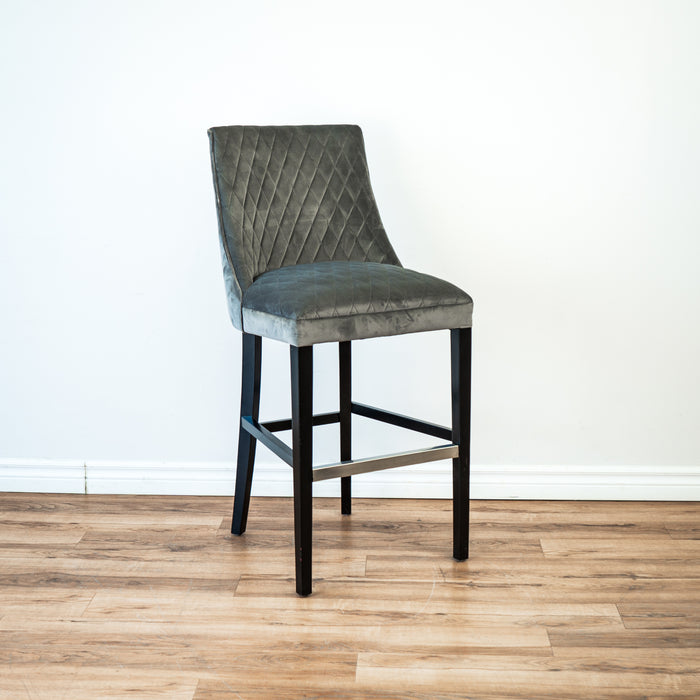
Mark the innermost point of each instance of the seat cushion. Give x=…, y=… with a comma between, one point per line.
x=346, y=300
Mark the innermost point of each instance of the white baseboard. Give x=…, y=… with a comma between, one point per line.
x=614, y=483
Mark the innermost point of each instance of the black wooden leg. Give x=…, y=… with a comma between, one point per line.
x=250, y=406
x=345, y=367
x=302, y=442
x=461, y=351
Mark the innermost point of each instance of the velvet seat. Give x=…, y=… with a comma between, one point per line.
x=347, y=300
x=306, y=260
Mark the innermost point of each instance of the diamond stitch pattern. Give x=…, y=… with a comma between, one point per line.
x=294, y=195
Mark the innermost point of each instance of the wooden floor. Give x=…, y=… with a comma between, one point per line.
x=152, y=597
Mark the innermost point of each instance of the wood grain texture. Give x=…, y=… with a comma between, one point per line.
x=152, y=597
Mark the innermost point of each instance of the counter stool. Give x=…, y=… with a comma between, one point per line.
x=306, y=260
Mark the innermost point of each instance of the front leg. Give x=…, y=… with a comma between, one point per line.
x=461, y=352
x=302, y=443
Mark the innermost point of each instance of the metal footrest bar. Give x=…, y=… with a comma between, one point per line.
x=264, y=433
x=373, y=464
x=419, y=426
x=260, y=432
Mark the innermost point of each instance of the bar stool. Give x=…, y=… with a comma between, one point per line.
x=306, y=260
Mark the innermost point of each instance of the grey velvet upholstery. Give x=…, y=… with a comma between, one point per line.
x=306, y=259
x=339, y=300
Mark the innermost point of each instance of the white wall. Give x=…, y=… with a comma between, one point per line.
x=543, y=155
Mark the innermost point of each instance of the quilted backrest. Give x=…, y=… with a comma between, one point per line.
x=288, y=195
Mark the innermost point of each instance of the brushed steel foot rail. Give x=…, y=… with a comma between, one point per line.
x=352, y=466
x=264, y=433
x=373, y=464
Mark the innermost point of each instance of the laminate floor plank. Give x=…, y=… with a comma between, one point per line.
x=676, y=661
x=48, y=579
x=45, y=534
x=408, y=525
x=220, y=690
x=598, y=548
x=120, y=562
x=116, y=522
x=84, y=504
x=466, y=593
x=78, y=682
x=422, y=635
x=222, y=541
x=212, y=605
x=51, y=603
x=419, y=600
x=532, y=568
x=527, y=684
x=684, y=530
x=659, y=616
x=626, y=638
